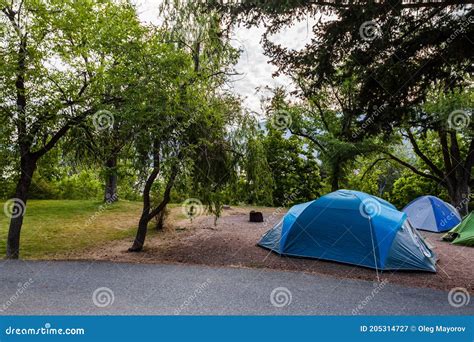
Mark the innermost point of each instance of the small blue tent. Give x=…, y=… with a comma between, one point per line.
x=432, y=214
x=351, y=227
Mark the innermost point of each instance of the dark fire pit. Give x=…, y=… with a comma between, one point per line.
x=256, y=216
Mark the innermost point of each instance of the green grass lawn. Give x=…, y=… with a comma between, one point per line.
x=56, y=227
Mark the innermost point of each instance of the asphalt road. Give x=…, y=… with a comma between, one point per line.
x=98, y=288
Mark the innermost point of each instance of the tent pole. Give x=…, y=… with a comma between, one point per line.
x=373, y=249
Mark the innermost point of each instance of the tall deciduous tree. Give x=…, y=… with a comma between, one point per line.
x=54, y=57
x=441, y=133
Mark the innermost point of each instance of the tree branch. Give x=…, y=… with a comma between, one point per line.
x=403, y=3
x=444, y=149
x=61, y=132
x=423, y=157
x=415, y=170
x=372, y=166
x=310, y=138
x=469, y=163
x=166, y=195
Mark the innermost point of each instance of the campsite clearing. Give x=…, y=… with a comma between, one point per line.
x=232, y=242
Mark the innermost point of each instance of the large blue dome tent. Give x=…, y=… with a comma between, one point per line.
x=432, y=214
x=351, y=227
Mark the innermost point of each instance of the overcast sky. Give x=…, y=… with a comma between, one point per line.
x=253, y=64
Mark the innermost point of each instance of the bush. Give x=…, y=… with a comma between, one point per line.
x=410, y=186
x=42, y=188
x=83, y=185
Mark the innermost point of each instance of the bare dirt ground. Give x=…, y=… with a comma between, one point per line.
x=232, y=242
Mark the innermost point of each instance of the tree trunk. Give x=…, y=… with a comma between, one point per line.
x=335, y=183
x=458, y=174
x=28, y=166
x=460, y=196
x=160, y=222
x=147, y=213
x=145, y=217
x=111, y=194
x=141, y=234
x=335, y=177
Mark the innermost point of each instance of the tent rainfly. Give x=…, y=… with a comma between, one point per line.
x=351, y=227
x=432, y=214
x=463, y=233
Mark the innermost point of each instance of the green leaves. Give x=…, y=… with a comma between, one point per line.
x=71, y=48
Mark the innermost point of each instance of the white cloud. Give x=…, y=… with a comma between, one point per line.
x=253, y=64
x=148, y=10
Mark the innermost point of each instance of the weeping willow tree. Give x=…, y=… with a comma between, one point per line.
x=185, y=111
